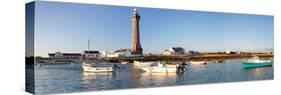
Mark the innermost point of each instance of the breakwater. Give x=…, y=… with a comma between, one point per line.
x=180, y=58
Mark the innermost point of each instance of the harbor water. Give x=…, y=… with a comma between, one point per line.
x=63, y=78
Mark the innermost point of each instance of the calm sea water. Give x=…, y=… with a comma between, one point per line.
x=70, y=78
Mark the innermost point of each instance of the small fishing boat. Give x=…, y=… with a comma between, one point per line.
x=125, y=62
x=198, y=62
x=257, y=62
x=96, y=65
x=90, y=67
x=218, y=61
x=144, y=64
x=159, y=67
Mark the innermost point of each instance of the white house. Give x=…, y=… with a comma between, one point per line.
x=104, y=53
x=120, y=53
x=167, y=52
x=174, y=51
x=91, y=54
x=227, y=52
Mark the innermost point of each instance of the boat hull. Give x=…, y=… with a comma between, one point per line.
x=156, y=67
x=97, y=69
x=144, y=64
x=160, y=69
x=89, y=68
x=198, y=62
x=251, y=65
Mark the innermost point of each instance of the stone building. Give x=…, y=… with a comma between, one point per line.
x=90, y=54
x=65, y=55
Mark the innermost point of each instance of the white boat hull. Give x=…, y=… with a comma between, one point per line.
x=258, y=61
x=156, y=67
x=88, y=68
x=143, y=64
x=160, y=69
x=198, y=62
x=124, y=62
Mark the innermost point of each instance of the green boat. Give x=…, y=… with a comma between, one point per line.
x=256, y=62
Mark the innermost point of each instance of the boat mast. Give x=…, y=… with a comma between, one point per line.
x=88, y=47
x=88, y=44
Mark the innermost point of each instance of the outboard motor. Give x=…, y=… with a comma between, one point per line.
x=181, y=67
x=116, y=67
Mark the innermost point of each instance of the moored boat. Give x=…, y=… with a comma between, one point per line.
x=257, y=62
x=144, y=64
x=125, y=62
x=89, y=67
x=95, y=64
x=159, y=67
x=198, y=62
x=218, y=61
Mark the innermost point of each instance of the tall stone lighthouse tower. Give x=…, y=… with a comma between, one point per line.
x=136, y=46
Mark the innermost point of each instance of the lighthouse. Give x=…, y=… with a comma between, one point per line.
x=136, y=48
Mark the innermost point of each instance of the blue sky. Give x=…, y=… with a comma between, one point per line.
x=65, y=27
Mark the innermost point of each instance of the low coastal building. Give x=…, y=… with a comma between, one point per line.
x=174, y=51
x=104, y=53
x=120, y=53
x=264, y=51
x=228, y=52
x=90, y=54
x=232, y=52
x=65, y=55
x=167, y=52
x=59, y=57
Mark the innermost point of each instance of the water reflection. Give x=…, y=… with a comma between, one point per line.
x=257, y=72
x=97, y=80
x=66, y=78
x=198, y=66
x=89, y=76
x=158, y=79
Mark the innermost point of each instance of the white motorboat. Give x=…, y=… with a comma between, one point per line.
x=157, y=67
x=95, y=65
x=198, y=62
x=89, y=67
x=124, y=62
x=144, y=64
